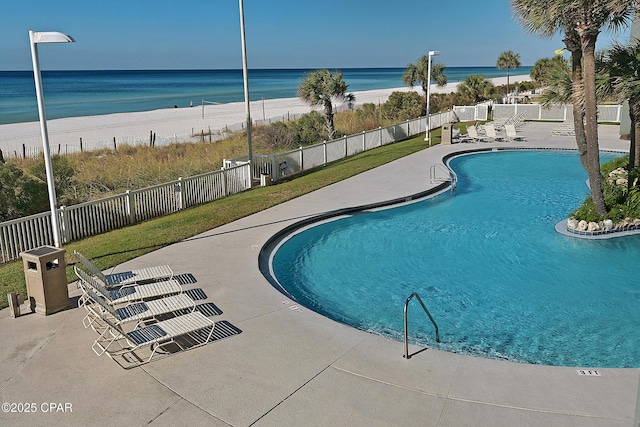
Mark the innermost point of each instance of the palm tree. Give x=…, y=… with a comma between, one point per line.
x=543, y=67
x=320, y=88
x=581, y=21
x=621, y=72
x=508, y=59
x=476, y=87
x=419, y=72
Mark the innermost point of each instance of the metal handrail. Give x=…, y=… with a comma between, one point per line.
x=406, y=329
x=452, y=177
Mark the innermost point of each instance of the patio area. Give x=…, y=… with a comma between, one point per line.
x=290, y=366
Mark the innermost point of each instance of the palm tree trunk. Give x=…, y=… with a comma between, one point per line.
x=634, y=151
x=578, y=108
x=507, y=85
x=328, y=117
x=588, y=39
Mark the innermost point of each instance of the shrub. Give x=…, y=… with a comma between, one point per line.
x=402, y=106
x=309, y=129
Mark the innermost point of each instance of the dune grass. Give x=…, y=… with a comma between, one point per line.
x=115, y=247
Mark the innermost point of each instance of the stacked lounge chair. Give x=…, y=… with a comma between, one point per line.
x=140, y=322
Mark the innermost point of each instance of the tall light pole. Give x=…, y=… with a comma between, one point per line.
x=431, y=53
x=245, y=78
x=36, y=38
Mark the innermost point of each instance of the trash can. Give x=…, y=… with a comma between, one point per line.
x=46, y=277
x=447, y=133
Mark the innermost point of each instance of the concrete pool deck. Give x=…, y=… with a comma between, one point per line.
x=290, y=366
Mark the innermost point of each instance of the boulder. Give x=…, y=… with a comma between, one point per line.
x=572, y=223
x=593, y=226
x=607, y=224
x=582, y=225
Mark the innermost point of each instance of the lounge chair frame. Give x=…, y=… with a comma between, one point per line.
x=144, y=311
x=126, y=346
x=126, y=294
x=143, y=275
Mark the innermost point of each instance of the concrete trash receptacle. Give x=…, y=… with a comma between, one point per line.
x=46, y=277
x=447, y=133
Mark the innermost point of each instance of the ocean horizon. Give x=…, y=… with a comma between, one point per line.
x=77, y=93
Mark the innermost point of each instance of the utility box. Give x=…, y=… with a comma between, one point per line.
x=265, y=180
x=447, y=133
x=46, y=277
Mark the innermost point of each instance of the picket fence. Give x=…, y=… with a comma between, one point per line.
x=99, y=216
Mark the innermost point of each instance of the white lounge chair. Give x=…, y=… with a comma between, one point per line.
x=126, y=294
x=160, y=272
x=473, y=133
x=98, y=309
x=491, y=132
x=117, y=343
x=512, y=134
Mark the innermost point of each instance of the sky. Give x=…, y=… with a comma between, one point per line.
x=205, y=34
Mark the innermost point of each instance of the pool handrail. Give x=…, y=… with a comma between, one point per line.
x=406, y=329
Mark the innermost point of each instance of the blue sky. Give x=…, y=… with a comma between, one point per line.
x=205, y=34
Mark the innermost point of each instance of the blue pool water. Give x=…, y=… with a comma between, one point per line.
x=497, y=278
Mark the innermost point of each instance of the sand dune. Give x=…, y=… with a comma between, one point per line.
x=98, y=131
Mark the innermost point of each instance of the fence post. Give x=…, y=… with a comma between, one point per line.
x=324, y=146
x=66, y=224
x=301, y=160
x=224, y=182
x=364, y=143
x=179, y=194
x=129, y=206
x=346, y=146
x=380, y=135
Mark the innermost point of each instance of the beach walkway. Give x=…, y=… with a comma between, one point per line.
x=290, y=366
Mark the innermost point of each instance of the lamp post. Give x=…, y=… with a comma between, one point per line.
x=431, y=53
x=245, y=79
x=36, y=38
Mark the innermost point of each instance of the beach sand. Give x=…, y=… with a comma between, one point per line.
x=170, y=123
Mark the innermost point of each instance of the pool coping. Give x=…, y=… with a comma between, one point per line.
x=292, y=366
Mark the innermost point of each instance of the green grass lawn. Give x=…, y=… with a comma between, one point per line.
x=115, y=247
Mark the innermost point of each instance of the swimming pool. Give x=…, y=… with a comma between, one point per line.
x=498, y=279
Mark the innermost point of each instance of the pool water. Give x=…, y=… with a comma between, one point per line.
x=487, y=262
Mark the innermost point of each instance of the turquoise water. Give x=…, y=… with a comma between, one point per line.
x=497, y=278
x=86, y=93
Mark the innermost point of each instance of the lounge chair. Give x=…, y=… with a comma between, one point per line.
x=116, y=343
x=98, y=309
x=512, y=134
x=459, y=137
x=126, y=294
x=160, y=272
x=473, y=133
x=491, y=132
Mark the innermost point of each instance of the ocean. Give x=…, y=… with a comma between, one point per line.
x=86, y=93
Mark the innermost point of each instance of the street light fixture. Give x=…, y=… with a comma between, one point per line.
x=431, y=53
x=245, y=79
x=36, y=38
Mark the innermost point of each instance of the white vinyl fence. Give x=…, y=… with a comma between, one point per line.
x=480, y=112
x=562, y=113
x=284, y=165
x=99, y=216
